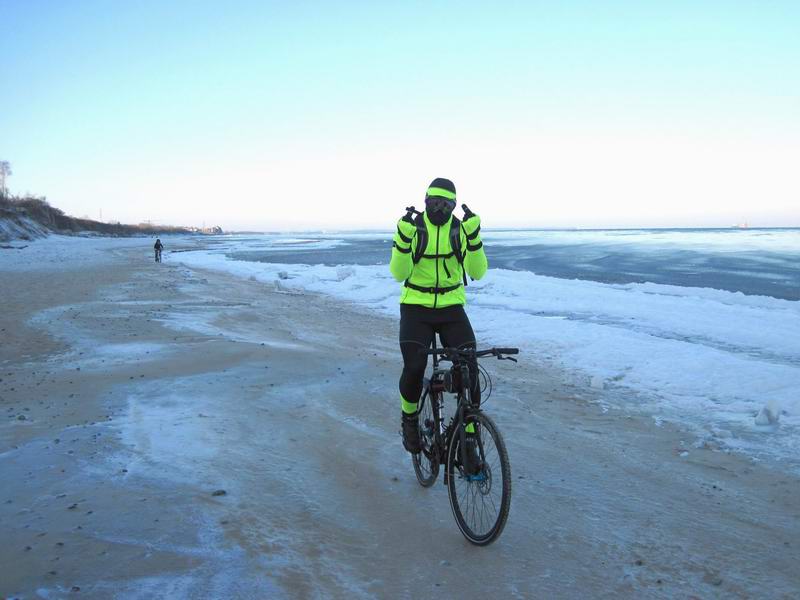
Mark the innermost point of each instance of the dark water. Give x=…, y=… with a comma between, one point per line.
x=751, y=270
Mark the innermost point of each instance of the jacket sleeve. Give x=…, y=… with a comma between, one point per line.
x=402, y=261
x=475, y=261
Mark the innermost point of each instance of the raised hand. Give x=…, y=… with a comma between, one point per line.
x=406, y=225
x=471, y=221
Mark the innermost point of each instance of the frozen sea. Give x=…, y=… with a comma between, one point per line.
x=753, y=261
x=700, y=326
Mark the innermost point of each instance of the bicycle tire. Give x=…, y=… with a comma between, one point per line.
x=426, y=463
x=461, y=489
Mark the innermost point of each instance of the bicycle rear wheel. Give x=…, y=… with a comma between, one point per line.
x=480, y=502
x=426, y=463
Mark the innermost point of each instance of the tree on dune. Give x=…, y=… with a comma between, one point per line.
x=5, y=171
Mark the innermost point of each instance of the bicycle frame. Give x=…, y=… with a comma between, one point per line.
x=436, y=388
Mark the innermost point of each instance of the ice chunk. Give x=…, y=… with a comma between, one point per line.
x=597, y=382
x=768, y=415
x=343, y=273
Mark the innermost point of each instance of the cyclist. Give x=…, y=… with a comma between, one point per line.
x=158, y=247
x=432, y=298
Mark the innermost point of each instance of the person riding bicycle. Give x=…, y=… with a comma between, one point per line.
x=158, y=247
x=432, y=255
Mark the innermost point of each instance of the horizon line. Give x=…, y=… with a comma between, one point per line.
x=500, y=229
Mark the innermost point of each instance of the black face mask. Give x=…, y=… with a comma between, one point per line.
x=439, y=210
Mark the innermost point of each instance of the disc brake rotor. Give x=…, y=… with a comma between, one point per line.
x=485, y=482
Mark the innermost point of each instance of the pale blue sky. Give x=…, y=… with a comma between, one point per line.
x=337, y=115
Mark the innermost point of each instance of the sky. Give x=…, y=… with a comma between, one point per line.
x=337, y=115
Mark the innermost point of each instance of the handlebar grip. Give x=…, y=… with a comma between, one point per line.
x=507, y=350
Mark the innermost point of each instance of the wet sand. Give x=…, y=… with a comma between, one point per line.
x=176, y=433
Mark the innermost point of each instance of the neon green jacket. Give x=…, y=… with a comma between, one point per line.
x=431, y=272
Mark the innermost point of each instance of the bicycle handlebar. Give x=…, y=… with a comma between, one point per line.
x=450, y=353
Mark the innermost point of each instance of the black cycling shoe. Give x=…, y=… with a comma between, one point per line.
x=411, y=441
x=474, y=464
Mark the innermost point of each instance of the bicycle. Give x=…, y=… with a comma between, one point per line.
x=447, y=444
x=158, y=256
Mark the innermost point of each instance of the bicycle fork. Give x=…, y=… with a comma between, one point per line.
x=473, y=411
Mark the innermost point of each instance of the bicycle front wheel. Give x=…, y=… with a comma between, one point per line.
x=426, y=463
x=480, y=501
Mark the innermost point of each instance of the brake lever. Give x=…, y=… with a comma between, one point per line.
x=506, y=358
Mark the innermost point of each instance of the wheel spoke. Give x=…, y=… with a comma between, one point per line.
x=491, y=498
x=481, y=514
x=465, y=490
x=471, y=510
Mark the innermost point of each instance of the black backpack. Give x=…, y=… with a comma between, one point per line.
x=455, y=244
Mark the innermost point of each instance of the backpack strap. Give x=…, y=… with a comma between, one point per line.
x=455, y=244
x=422, y=238
x=455, y=239
x=432, y=290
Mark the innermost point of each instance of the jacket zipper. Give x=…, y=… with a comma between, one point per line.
x=436, y=262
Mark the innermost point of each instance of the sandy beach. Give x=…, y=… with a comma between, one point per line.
x=174, y=432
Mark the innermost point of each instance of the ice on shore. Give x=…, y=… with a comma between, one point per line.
x=706, y=357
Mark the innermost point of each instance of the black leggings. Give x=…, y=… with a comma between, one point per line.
x=418, y=325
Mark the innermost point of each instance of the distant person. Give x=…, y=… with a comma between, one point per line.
x=158, y=247
x=432, y=298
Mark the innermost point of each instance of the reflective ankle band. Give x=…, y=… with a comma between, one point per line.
x=408, y=407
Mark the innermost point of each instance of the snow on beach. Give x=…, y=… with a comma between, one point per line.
x=52, y=252
x=725, y=363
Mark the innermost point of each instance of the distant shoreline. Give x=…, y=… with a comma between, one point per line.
x=31, y=217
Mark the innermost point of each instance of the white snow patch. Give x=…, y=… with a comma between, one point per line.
x=51, y=253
